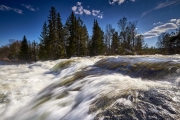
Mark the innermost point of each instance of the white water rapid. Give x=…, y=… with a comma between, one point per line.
x=88, y=88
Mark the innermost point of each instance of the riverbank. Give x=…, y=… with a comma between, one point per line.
x=14, y=62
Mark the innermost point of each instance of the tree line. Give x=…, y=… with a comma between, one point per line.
x=19, y=50
x=169, y=43
x=72, y=39
x=58, y=40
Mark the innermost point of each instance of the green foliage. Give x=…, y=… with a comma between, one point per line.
x=127, y=35
x=72, y=39
x=169, y=43
x=76, y=36
x=97, y=42
x=52, y=45
x=24, y=49
x=115, y=43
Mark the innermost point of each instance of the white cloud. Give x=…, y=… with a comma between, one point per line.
x=79, y=3
x=162, y=5
x=112, y=2
x=29, y=7
x=178, y=22
x=173, y=20
x=156, y=31
x=97, y=13
x=78, y=9
x=74, y=8
x=120, y=1
x=159, y=23
x=18, y=11
x=100, y=16
x=6, y=8
x=87, y=12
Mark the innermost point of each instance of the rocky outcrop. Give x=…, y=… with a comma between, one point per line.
x=149, y=105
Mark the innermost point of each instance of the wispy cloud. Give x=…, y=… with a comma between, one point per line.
x=29, y=7
x=18, y=11
x=78, y=9
x=87, y=12
x=156, y=31
x=7, y=8
x=173, y=20
x=158, y=23
x=162, y=5
x=112, y=2
x=176, y=21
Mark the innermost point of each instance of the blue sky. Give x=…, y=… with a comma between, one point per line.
x=26, y=17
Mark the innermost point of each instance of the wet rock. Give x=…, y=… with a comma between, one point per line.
x=157, y=70
x=150, y=105
x=3, y=98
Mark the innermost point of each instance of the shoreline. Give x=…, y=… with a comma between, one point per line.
x=14, y=62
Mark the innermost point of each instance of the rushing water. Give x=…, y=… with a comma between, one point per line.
x=109, y=88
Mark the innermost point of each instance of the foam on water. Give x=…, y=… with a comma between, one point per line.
x=38, y=91
x=19, y=83
x=75, y=105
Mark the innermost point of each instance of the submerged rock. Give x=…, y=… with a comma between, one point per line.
x=145, y=68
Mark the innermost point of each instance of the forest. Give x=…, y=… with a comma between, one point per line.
x=58, y=40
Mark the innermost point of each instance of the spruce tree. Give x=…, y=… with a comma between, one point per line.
x=97, y=44
x=82, y=38
x=61, y=50
x=52, y=31
x=44, y=41
x=52, y=44
x=115, y=43
x=71, y=42
x=24, y=49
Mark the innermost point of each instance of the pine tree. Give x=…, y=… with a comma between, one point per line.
x=43, y=46
x=115, y=43
x=52, y=31
x=139, y=42
x=82, y=38
x=59, y=43
x=24, y=49
x=34, y=50
x=52, y=44
x=97, y=44
x=71, y=42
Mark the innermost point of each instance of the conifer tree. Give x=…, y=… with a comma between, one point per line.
x=71, y=26
x=24, y=49
x=115, y=43
x=82, y=38
x=139, y=43
x=52, y=32
x=97, y=44
x=43, y=46
x=52, y=44
x=59, y=42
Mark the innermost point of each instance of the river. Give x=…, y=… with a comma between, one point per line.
x=92, y=88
